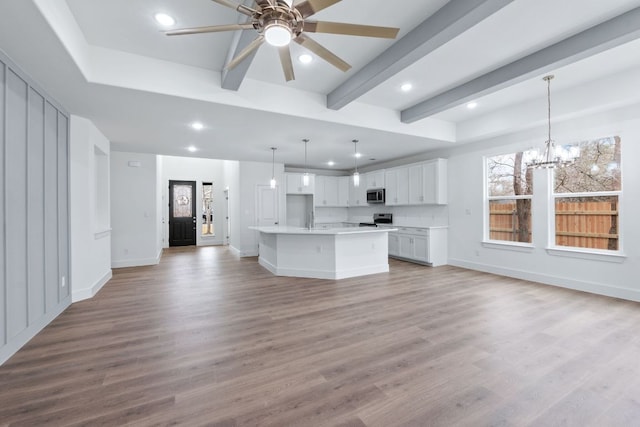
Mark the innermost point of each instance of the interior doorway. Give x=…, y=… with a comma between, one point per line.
x=267, y=213
x=182, y=213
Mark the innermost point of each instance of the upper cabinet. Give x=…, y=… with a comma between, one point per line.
x=331, y=191
x=434, y=182
x=397, y=186
x=423, y=183
x=358, y=195
x=343, y=191
x=326, y=192
x=374, y=179
x=428, y=183
x=295, y=184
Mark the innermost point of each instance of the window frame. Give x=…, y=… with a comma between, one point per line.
x=577, y=251
x=487, y=199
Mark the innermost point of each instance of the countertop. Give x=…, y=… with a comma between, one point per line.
x=321, y=231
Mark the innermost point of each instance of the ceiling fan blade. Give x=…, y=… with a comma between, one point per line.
x=287, y=65
x=315, y=47
x=310, y=7
x=237, y=6
x=245, y=52
x=350, y=29
x=211, y=29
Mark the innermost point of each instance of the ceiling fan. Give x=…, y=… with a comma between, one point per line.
x=278, y=22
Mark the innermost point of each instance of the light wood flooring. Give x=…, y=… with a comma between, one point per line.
x=206, y=338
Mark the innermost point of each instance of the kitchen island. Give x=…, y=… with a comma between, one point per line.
x=335, y=253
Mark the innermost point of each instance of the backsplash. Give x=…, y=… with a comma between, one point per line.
x=407, y=216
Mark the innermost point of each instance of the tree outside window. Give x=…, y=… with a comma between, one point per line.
x=510, y=187
x=587, y=197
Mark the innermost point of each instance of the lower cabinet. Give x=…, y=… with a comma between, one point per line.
x=421, y=245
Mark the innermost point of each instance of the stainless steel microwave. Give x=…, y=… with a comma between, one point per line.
x=375, y=195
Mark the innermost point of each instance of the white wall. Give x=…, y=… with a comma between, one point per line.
x=134, y=210
x=252, y=174
x=199, y=170
x=90, y=236
x=609, y=277
x=232, y=184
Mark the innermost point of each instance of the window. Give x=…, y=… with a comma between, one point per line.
x=509, y=190
x=207, y=209
x=587, y=197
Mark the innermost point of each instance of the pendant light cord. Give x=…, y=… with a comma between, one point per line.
x=549, y=105
x=273, y=162
x=355, y=151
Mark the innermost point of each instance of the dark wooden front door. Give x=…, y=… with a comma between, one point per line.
x=182, y=213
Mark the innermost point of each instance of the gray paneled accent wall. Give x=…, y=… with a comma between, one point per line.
x=34, y=209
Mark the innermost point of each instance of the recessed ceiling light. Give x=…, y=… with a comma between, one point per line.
x=472, y=105
x=406, y=87
x=331, y=163
x=197, y=125
x=164, y=19
x=305, y=58
x=192, y=149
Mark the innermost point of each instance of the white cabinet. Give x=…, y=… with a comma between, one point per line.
x=326, y=191
x=394, y=244
x=295, y=184
x=374, y=179
x=415, y=184
x=422, y=245
x=428, y=183
x=343, y=191
x=357, y=195
x=397, y=186
x=434, y=182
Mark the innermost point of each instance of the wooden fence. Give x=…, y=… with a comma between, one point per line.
x=578, y=223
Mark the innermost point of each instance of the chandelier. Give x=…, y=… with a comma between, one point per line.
x=552, y=156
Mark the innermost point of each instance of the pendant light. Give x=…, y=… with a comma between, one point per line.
x=273, y=167
x=552, y=157
x=356, y=175
x=305, y=177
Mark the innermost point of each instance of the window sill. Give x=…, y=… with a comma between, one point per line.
x=592, y=255
x=508, y=246
x=208, y=236
x=101, y=234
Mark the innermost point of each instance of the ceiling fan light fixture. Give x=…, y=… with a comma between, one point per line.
x=277, y=34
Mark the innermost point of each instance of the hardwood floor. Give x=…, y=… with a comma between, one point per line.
x=206, y=338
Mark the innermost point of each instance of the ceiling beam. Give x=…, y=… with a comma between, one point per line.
x=232, y=79
x=453, y=19
x=597, y=39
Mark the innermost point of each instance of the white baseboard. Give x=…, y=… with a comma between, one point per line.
x=23, y=337
x=83, y=294
x=136, y=262
x=234, y=250
x=563, y=282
